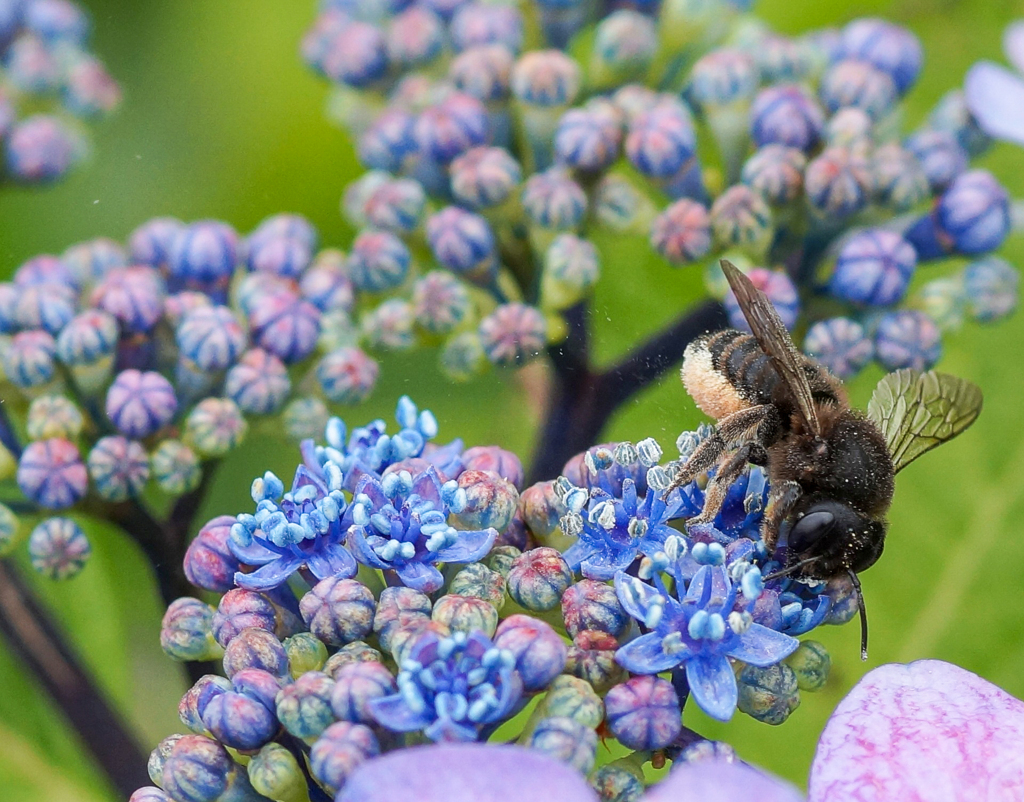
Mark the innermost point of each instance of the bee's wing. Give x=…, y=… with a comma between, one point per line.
x=774, y=340
x=918, y=411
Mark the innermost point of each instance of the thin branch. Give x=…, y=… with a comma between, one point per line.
x=582, y=402
x=651, y=359
x=7, y=436
x=32, y=634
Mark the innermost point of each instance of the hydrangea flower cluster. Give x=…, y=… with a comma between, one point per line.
x=434, y=597
x=136, y=366
x=500, y=154
x=50, y=81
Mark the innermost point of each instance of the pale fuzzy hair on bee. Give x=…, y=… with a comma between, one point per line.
x=709, y=389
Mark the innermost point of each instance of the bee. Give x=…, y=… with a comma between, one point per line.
x=831, y=468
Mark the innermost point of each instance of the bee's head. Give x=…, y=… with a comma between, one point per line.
x=832, y=537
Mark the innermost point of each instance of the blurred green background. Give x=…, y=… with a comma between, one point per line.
x=220, y=119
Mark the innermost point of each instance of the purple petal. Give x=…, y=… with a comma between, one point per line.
x=471, y=545
x=270, y=575
x=356, y=541
x=428, y=486
x=644, y=655
x=444, y=729
x=307, y=448
x=760, y=646
x=253, y=554
x=332, y=559
x=465, y=773
x=1013, y=44
x=392, y=712
x=995, y=97
x=420, y=576
x=927, y=730
x=720, y=781
x=713, y=685
x=371, y=487
x=304, y=476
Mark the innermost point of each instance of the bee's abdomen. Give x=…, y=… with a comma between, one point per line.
x=727, y=371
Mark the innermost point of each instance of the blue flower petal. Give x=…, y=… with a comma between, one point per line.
x=645, y=655
x=995, y=97
x=471, y=545
x=254, y=554
x=332, y=559
x=603, y=564
x=578, y=552
x=698, y=592
x=760, y=646
x=270, y=575
x=713, y=685
x=393, y=713
x=420, y=576
x=356, y=541
x=809, y=622
x=654, y=541
x=684, y=502
x=635, y=596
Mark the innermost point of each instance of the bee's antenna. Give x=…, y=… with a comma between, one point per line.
x=789, y=569
x=863, y=616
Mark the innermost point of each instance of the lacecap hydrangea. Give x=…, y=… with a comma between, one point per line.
x=435, y=597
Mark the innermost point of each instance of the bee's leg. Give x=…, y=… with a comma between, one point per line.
x=760, y=423
x=780, y=502
x=729, y=472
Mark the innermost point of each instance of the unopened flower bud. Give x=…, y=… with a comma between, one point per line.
x=768, y=694
x=566, y=740
x=538, y=579
x=186, y=631
x=465, y=614
x=338, y=611
x=356, y=685
x=593, y=605
x=539, y=651
x=644, y=713
x=304, y=706
x=255, y=648
x=811, y=664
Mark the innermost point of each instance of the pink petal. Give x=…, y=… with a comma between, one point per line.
x=918, y=733
x=466, y=773
x=720, y=781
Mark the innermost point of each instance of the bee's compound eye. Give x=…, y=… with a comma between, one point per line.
x=809, y=529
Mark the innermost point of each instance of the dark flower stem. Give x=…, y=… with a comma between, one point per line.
x=38, y=641
x=582, y=400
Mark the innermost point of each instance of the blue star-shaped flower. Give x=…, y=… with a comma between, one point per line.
x=452, y=688
x=701, y=631
x=615, y=531
x=370, y=449
x=304, y=527
x=400, y=524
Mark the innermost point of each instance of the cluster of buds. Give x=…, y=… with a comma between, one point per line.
x=127, y=367
x=49, y=78
x=404, y=591
x=506, y=163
